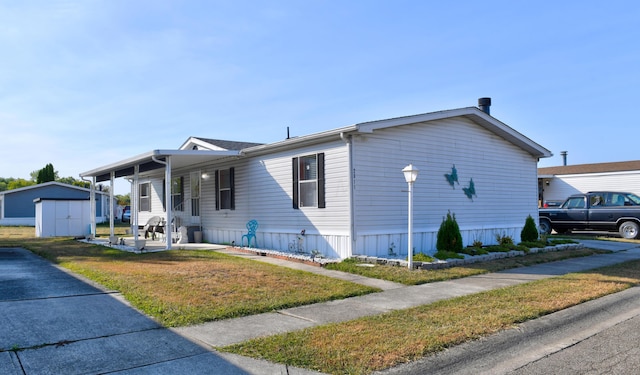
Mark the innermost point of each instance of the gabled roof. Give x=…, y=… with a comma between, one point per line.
x=621, y=166
x=199, y=150
x=199, y=143
x=471, y=113
x=47, y=184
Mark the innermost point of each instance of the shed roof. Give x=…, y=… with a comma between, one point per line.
x=45, y=185
x=621, y=166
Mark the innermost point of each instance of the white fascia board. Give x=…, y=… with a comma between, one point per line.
x=193, y=141
x=295, y=142
x=369, y=127
x=474, y=114
x=158, y=154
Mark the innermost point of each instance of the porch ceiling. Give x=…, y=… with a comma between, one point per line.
x=146, y=162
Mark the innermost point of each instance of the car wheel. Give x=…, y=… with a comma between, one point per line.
x=629, y=230
x=545, y=227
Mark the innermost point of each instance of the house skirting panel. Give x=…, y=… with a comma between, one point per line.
x=19, y=221
x=384, y=245
x=330, y=246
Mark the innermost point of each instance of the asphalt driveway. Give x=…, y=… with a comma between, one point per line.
x=55, y=323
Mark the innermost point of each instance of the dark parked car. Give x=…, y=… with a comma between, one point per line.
x=126, y=214
x=552, y=203
x=596, y=210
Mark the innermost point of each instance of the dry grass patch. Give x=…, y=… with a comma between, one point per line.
x=189, y=287
x=374, y=343
x=415, y=277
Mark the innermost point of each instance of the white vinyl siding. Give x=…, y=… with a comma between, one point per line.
x=504, y=177
x=263, y=191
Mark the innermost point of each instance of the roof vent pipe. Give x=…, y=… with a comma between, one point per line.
x=564, y=157
x=484, y=104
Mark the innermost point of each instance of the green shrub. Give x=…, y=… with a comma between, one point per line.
x=449, y=237
x=529, y=233
x=504, y=240
x=474, y=250
x=422, y=257
x=442, y=254
x=530, y=244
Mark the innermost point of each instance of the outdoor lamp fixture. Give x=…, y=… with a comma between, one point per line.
x=410, y=175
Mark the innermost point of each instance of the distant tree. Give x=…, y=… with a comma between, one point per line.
x=72, y=181
x=4, y=183
x=46, y=174
x=123, y=200
x=19, y=183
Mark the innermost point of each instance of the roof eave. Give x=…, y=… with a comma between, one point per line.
x=155, y=154
x=474, y=114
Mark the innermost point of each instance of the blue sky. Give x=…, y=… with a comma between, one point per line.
x=87, y=83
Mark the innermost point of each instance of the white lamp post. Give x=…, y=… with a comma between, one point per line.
x=410, y=175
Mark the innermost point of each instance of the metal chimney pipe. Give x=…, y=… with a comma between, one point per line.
x=564, y=157
x=484, y=104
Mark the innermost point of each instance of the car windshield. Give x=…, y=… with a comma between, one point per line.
x=634, y=198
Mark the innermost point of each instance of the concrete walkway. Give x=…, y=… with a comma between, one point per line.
x=54, y=322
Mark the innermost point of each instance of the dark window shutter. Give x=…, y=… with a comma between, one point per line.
x=164, y=195
x=321, y=199
x=295, y=183
x=217, y=187
x=232, y=185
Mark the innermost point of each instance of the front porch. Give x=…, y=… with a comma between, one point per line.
x=128, y=244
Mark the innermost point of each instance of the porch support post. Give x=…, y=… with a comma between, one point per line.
x=168, y=204
x=134, y=202
x=92, y=203
x=111, y=208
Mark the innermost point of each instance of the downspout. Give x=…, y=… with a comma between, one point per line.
x=167, y=198
x=352, y=229
x=135, y=202
x=111, y=210
x=92, y=204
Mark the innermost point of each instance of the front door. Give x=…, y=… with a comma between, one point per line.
x=195, y=197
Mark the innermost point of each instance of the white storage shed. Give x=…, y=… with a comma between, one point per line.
x=62, y=217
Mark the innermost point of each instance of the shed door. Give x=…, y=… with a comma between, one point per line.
x=68, y=218
x=62, y=217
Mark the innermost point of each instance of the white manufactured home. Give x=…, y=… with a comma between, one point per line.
x=557, y=183
x=342, y=192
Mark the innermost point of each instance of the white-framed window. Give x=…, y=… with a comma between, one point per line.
x=195, y=193
x=225, y=189
x=144, y=197
x=308, y=181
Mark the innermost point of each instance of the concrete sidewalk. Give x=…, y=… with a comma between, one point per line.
x=393, y=296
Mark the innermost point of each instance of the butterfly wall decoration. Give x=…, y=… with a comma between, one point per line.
x=470, y=191
x=453, y=177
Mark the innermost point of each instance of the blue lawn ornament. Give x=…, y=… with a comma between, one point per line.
x=252, y=227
